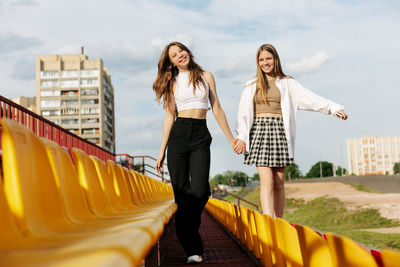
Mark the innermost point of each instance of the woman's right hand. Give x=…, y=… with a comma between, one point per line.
x=160, y=163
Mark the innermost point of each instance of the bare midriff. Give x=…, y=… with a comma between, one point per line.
x=268, y=115
x=193, y=113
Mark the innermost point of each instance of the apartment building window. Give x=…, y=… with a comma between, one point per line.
x=69, y=93
x=89, y=73
x=89, y=101
x=93, y=140
x=89, y=82
x=49, y=74
x=90, y=120
x=69, y=83
x=89, y=91
x=74, y=131
x=90, y=111
x=50, y=112
x=50, y=103
x=70, y=121
x=70, y=111
x=69, y=74
x=91, y=131
x=47, y=84
x=69, y=102
x=50, y=93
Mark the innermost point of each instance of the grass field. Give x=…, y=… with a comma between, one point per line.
x=364, y=188
x=330, y=215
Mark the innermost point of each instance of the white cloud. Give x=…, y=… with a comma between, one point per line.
x=309, y=64
x=11, y=42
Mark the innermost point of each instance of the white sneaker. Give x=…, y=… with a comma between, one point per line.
x=194, y=259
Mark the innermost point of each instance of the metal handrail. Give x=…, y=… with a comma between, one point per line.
x=214, y=187
x=141, y=167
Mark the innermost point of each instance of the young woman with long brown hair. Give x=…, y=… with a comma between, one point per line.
x=185, y=89
x=266, y=124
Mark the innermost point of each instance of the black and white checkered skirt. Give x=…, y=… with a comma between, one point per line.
x=268, y=145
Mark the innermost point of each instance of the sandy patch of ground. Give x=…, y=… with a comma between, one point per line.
x=388, y=205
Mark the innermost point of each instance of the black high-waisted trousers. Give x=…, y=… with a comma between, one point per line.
x=188, y=158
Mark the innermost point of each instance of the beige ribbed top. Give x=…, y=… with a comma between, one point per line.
x=274, y=100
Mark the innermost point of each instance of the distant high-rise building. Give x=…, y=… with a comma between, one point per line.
x=27, y=102
x=76, y=93
x=373, y=155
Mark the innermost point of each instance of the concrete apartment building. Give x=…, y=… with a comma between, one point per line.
x=373, y=155
x=76, y=93
x=27, y=102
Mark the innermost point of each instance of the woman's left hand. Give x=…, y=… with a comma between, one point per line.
x=340, y=114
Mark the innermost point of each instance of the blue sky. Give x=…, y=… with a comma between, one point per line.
x=347, y=51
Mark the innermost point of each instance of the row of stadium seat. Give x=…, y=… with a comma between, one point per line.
x=66, y=208
x=278, y=243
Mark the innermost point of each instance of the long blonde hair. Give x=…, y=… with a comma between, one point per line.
x=163, y=84
x=262, y=81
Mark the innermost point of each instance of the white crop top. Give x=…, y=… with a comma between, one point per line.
x=184, y=97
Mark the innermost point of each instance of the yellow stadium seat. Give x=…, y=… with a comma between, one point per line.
x=277, y=256
x=346, y=252
x=390, y=258
x=29, y=184
x=101, y=257
x=314, y=248
x=288, y=243
x=121, y=184
x=67, y=180
x=114, y=199
x=254, y=233
x=264, y=240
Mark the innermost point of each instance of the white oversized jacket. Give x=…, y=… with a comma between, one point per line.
x=293, y=97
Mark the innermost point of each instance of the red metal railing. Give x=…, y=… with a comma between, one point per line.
x=45, y=128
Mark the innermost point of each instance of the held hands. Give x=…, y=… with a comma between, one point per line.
x=239, y=146
x=340, y=114
x=160, y=163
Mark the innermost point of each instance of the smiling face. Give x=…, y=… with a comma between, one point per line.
x=266, y=62
x=179, y=57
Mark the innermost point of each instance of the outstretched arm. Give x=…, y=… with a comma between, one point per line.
x=218, y=112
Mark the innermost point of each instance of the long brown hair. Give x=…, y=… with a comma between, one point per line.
x=262, y=81
x=167, y=72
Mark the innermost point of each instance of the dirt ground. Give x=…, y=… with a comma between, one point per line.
x=388, y=204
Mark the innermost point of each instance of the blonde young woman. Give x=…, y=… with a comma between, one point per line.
x=266, y=124
x=185, y=89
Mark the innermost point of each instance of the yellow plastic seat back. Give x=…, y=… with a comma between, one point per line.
x=346, y=252
x=10, y=235
x=314, y=248
x=390, y=258
x=75, y=200
x=29, y=184
x=288, y=243
x=91, y=183
x=113, y=196
x=116, y=172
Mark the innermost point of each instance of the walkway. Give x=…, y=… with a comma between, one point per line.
x=220, y=248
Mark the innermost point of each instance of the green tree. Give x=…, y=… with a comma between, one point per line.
x=340, y=171
x=315, y=169
x=256, y=177
x=219, y=179
x=236, y=178
x=233, y=178
x=396, y=168
x=293, y=171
